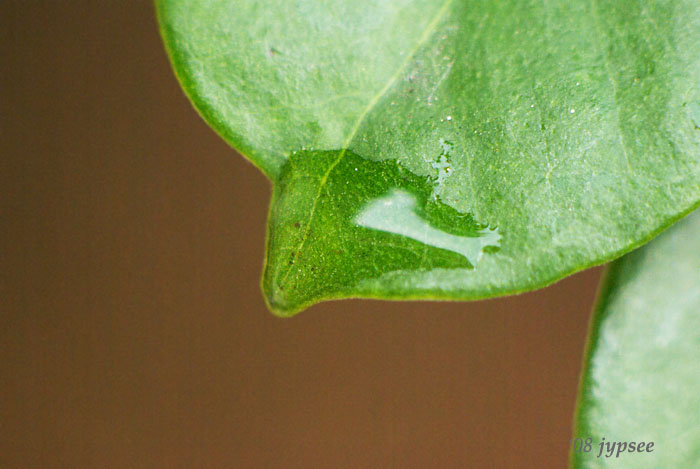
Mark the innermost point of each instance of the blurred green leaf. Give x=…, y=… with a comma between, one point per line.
x=641, y=379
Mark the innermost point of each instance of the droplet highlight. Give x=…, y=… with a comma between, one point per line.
x=396, y=213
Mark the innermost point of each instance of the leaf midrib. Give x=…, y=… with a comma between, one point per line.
x=427, y=32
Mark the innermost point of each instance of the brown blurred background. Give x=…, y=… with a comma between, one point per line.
x=132, y=328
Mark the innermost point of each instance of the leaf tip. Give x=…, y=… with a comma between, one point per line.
x=278, y=300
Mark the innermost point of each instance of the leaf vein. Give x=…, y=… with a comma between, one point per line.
x=429, y=30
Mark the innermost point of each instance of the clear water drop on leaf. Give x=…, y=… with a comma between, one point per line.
x=339, y=220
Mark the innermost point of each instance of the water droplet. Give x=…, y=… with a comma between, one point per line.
x=387, y=225
x=443, y=167
x=396, y=213
x=445, y=146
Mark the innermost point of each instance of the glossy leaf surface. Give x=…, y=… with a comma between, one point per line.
x=641, y=380
x=566, y=133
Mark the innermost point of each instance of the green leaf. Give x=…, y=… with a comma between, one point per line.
x=521, y=140
x=641, y=378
